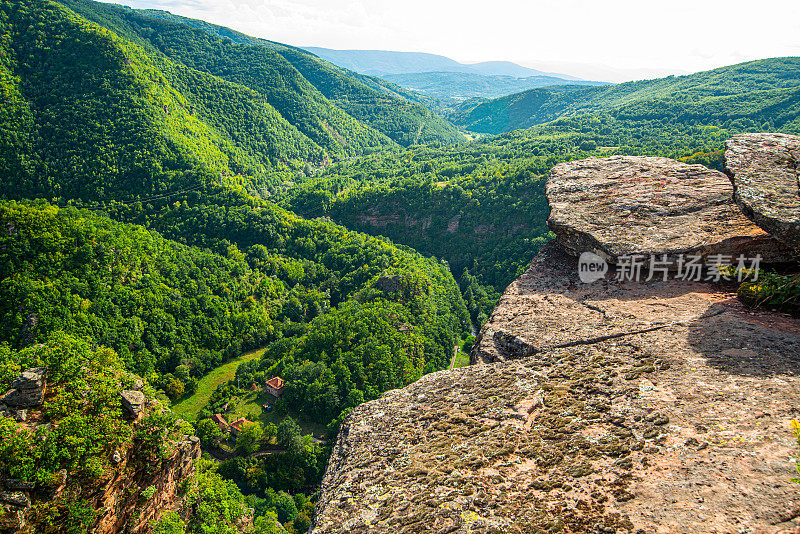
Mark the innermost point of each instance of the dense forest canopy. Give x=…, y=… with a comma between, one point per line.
x=175, y=193
x=139, y=105
x=481, y=206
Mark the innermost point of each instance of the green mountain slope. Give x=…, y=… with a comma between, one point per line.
x=388, y=111
x=140, y=130
x=172, y=311
x=406, y=122
x=755, y=90
x=93, y=116
x=140, y=112
x=481, y=206
x=256, y=67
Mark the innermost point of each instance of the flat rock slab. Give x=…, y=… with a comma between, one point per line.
x=610, y=425
x=626, y=205
x=764, y=169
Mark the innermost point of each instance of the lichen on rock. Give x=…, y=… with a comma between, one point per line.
x=626, y=205
x=764, y=169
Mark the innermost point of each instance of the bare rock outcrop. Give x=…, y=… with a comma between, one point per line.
x=617, y=406
x=764, y=169
x=626, y=205
x=120, y=512
x=620, y=407
x=27, y=390
x=132, y=402
x=116, y=496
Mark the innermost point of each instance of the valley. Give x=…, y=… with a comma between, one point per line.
x=219, y=252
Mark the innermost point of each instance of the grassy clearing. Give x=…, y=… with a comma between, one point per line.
x=189, y=407
x=462, y=360
x=250, y=406
x=464, y=348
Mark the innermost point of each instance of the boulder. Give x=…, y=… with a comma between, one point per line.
x=132, y=402
x=764, y=170
x=626, y=205
x=27, y=390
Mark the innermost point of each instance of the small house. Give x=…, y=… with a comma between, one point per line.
x=221, y=422
x=237, y=426
x=254, y=387
x=275, y=386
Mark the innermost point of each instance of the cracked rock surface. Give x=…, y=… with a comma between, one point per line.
x=636, y=407
x=764, y=170
x=643, y=205
x=677, y=421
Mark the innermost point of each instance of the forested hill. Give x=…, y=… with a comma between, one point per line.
x=131, y=105
x=368, y=316
x=481, y=206
x=153, y=260
x=765, y=91
x=366, y=100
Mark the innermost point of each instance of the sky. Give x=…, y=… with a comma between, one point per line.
x=615, y=40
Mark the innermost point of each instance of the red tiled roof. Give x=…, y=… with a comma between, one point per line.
x=217, y=418
x=239, y=423
x=276, y=382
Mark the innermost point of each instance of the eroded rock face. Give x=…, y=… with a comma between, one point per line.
x=619, y=407
x=642, y=205
x=132, y=402
x=764, y=170
x=119, y=512
x=27, y=390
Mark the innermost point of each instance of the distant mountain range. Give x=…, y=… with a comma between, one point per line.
x=764, y=92
x=466, y=85
x=383, y=62
x=443, y=78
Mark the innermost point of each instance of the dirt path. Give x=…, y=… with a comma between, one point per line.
x=456, y=348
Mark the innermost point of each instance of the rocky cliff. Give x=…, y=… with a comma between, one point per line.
x=136, y=488
x=616, y=406
x=123, y=510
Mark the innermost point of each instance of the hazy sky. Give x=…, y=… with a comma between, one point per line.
x=615, y=39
